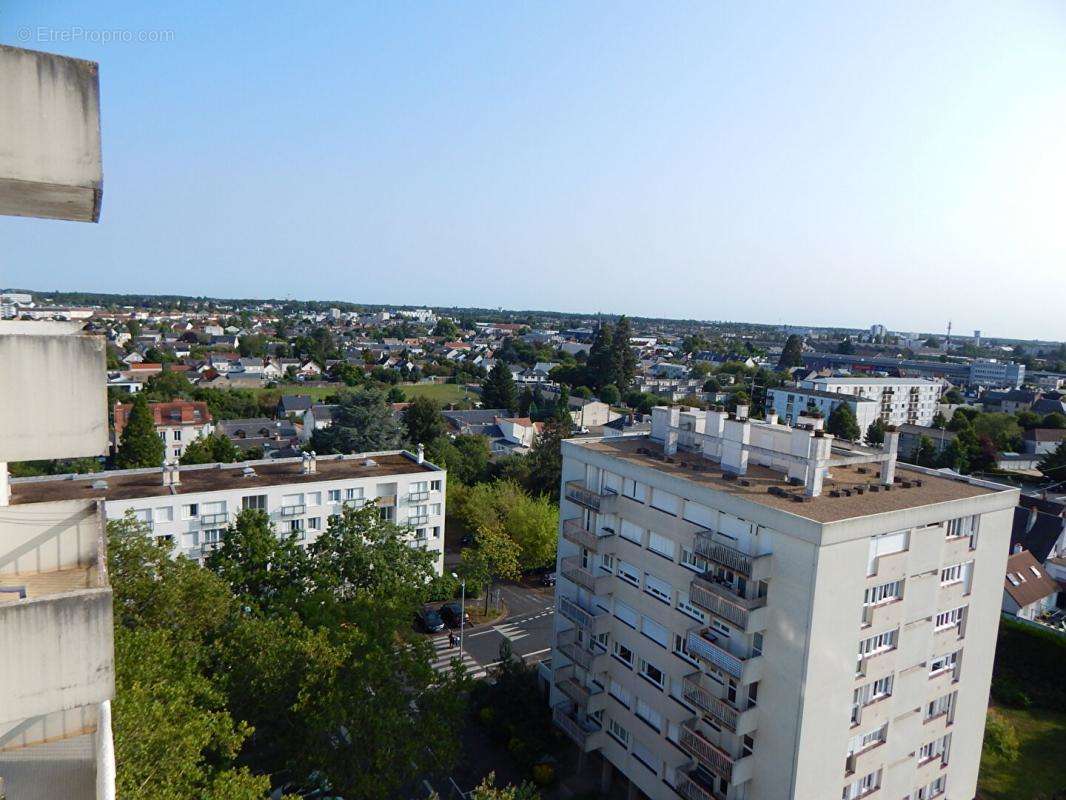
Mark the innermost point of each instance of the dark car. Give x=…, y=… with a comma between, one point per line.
x=547, y=579
x=453, y=613
x=430, y=620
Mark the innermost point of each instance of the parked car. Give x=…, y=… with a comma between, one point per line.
x=547, y=579
x=453, y=613
x=429, y=619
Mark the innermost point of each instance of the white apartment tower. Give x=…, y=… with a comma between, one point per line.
x=751, y=611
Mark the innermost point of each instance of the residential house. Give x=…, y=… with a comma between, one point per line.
x=178, y=423
x=1028, y=591
x=1038, y=441
x=293, y=404
x=318, y=417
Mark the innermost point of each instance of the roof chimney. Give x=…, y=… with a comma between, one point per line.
x=310, y=464
x=891, y=447
x=421, y=453
x=771, y=416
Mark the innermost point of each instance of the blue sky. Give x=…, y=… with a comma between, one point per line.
x=810, y=163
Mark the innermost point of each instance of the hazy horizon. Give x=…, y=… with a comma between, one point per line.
x=823, y=165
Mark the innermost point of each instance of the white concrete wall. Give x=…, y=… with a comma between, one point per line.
x=53, y=382
x=50, y=162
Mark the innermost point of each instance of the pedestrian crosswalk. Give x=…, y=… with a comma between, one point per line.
x=444, y=654
x=511, y=630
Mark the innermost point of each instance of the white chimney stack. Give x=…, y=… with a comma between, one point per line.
x=421, y=453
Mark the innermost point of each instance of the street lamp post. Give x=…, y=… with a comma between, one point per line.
x=462, y=611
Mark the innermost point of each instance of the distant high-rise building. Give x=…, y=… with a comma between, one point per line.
x=877, y=330
x=977, y=338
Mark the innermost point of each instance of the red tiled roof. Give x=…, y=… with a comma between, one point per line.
x=177, y=412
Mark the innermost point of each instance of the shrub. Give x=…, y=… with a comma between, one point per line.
x=543, y=773
x=1000, y=737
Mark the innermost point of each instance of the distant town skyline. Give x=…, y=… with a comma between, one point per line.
x=823, y=165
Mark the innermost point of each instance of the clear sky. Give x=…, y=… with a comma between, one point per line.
x=844, y=163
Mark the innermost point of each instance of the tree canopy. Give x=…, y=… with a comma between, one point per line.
x=842, y=423
x=362, y=422
x=498, y=389
x=211, y=449
x=791, y=353
x=140, y=446
x=423, y=421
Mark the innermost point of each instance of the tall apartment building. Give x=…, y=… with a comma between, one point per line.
x=902, y=401
x=751, y=611
x=57, y=672
x=190, y=507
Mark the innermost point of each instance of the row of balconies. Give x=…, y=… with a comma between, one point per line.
x=750, y=566
x=721, y=712
x=714, y=649
x=577, y=492
x=694, y=785
x=724, y=601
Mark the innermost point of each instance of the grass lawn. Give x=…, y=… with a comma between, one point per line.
x=1039, y=768
x=316, y=392
x=443, y=393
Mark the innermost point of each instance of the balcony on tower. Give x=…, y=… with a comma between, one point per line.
x=575, y=530
x=591, y=621
x=724, y=600
x=600, y=502
x=585, y=577
x=744, y=664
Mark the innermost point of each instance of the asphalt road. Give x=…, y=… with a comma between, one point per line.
x=528, y=627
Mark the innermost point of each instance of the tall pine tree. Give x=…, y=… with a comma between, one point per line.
x=599, y=361
x=140, y=445
x=623, y=360
x=498, y=390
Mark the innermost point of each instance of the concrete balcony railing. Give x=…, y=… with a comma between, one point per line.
x=584, y=732
x=593, y=661
x=723, y=601
x=584, y=577
x=721, y=712
x=577, y=492
x=214, y=520
x=386, y=501
x=592, y=622
x=750, y=566
x=417, y=497
x=708, y=755
x=567, y=682
x=575, y=531
x=705, y=644
x=694, y=786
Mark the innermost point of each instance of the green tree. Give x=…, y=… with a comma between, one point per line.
x=546, y=460
x=423, y=421
x=924, y=454
x=445, y=328
x=215, y=448
x=791, y=353
x=875, y=432
x=955, y=455
x=140, y=446
x=939, y=422
x=498, y=389
x=600, y=367
x=166, y=386
x=845, y=346
x=842, y=423
x=1001, y=739
x=1054, y=420
x=1053, y=464
x=494, y=557
x=362, y=423
x=623, y=359
x=610, y=395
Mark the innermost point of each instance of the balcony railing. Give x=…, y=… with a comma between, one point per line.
x=214, y=519
x=569, y=646
x=580, y=494
x=386, y=501
x=293, y=510
x=729, y=557
x=693, y=786
x=354, y=502
x=417, y=497
x=705, y=644
x=708, y=755
x=584, y=618
x=722, y=713
x=574, y=530
x=565, y=716
x=421, y=520
x=722, y=600
x=573, y=570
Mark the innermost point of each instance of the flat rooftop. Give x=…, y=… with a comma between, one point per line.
x=128, y=484
x=754, y=486
x=42, y=584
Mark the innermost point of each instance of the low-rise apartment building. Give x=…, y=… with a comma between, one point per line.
x=751, y=611
x=791, y=402
x=910, y=401
x=191, y=507
x=997, y=374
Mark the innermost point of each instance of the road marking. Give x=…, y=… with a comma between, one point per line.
x=511, y=631
x=535, y=653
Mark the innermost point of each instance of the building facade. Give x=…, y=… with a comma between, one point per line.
x=902, y=401
x=749, y=611
x=191, y=507
x=998, y=374
x=178, y=423
x=792, y=402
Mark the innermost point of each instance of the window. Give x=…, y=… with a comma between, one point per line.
x=623, y=653
x=314, y=498
x=176, y=452
x=628, y=572
x=878, y=643
x=661, y=545
x=296, y=526
x=633, y=533
x=618, y=732
x=258, y=502
x=893, y=590
x=607, y=562
x=681, y=648
x=334, y=495
x=386, y=513
x=213, y=536
x=354, y=494
x=652, y=673
x=938, y=748
x=870, y=693
x=658, y=588
x=190, y=511
x=292, y=499
x=862, y=786
x=619, y=693
x=434, y=486
x=934, y=789
x=164, y=514
x=944, y=663
x=747, y=746
x=314, y=523
x=884, y=545
x=434, y=509
x=634, y=490
x=654, y=631
x=942, y=705
x=436, y=531
x=950, y=619
x=177, y=436
x=649, y=715
x=692, y=561
x=625, y=613
x=685, y=606
x=869, y=739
